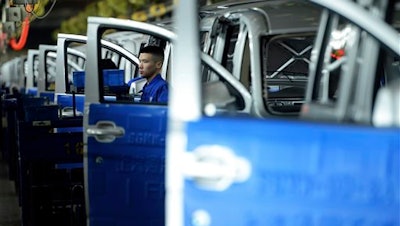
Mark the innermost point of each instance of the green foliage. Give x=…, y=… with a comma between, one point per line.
x=137, y=4
x=104, y=8
x=119, y=7
x=108, y=8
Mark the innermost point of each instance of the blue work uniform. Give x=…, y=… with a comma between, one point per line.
x=155, y=91
x=134, y=80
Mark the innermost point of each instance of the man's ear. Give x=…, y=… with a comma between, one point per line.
x=159, y=64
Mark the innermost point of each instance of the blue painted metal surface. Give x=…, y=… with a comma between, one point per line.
x=67, y=101
x=10, y=106
x=40, y=113
x=111, y=77
x=126, y=176
x=302, y=174
x=78, y=79
x=17, y=107
x=48, y=94
x=32, y=91
x=51, y=173
x=37, y=142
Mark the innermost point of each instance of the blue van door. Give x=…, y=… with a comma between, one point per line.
x=124, y=143
x=266, y=172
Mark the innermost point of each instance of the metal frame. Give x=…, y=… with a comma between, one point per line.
x=64, y=40
x=32, y=54
x=348, y=107
x=244, y=14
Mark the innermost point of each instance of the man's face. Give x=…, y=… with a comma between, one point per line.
x=149, y=66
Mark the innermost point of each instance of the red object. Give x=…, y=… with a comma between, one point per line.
x=337, y=54
x=24, y=35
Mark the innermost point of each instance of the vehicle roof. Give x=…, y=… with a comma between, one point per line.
x=228, y=4
x=279, y=14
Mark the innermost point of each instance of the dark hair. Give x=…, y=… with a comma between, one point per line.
x=107, y=64
x=155, y=50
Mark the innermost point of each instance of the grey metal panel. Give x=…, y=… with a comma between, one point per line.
x=230, y=79
x=184, y=105
x=260, y=19
x=41, y=81
x=281, y=15
x=369, y=22
x=355, y=100
x=291, y=16
x=32, y=54
x=255, y=31
x=227, y=4
x=21, y=70
x=61, y=60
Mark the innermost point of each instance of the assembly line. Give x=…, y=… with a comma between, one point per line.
x=282, y=112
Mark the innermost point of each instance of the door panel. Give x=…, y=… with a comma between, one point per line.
x=127, y=173
x=125, y=141
x=300, y=174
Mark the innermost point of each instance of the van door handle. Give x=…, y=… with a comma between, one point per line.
x=215, y=167
x=105, y=131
